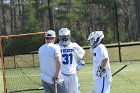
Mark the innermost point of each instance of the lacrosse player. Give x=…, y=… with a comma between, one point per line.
x=50, y=65
x=72, y=54
x=101, y=66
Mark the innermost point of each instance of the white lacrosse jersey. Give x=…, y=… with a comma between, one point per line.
x=70, y=54
x=99, y=54
x=47, y=59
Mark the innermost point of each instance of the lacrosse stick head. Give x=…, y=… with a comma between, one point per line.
x=129, y=62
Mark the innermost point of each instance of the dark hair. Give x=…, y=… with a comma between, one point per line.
x=49, y=38
x=49, y=35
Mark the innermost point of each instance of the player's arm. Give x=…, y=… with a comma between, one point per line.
x=79, y=51
x=57, y=69
x=58, y=63
x=103, y=64
x=80, y=62
x=101, y=69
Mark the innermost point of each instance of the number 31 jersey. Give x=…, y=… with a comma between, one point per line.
x=70, y=55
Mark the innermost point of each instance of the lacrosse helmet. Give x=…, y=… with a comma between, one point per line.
x=95, y=38
x=64, y=36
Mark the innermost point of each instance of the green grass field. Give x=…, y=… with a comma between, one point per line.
x=127, y=81
x=1, y=82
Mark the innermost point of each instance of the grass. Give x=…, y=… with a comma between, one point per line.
x=127, y=53
x=126, y=81
x=1, y=82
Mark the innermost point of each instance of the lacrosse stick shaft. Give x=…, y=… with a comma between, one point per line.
x=55, y=87
x=121, y=69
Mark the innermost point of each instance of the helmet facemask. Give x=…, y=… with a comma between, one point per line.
x=94, y=43
x=91, y=42
x=98, y=40
x=64, y=40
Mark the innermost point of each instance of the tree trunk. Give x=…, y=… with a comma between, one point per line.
x=11, y=11
x=4, y=21
x=50, y=15
x=137, y=4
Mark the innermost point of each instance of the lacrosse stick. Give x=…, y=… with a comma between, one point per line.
x=121, y=68
x=55, y=83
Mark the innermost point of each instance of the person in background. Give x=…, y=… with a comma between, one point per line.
x=50, y=65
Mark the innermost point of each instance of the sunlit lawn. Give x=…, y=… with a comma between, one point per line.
x=127, y=81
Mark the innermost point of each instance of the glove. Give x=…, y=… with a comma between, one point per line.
x=100, y=72
x=80, y=64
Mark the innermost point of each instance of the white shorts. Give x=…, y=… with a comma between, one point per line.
x=102, y=85
x=72, y=83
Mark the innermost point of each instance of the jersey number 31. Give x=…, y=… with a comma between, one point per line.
x=67, y=58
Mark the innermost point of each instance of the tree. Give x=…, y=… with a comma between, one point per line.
x=137, y=4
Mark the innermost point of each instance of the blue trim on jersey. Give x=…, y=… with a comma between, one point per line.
x=103, y=85
x=94, y=54
x=79, y=86
x=66, y=74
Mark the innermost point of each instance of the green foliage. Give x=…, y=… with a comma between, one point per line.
x=43, y=7
x=91, y=15
x=60, y=3
x=25, y=3
x=104, y=2
x=5, y=6
x=72, y=16
x=31, y=22
x=78, y=37
x=109, y=37
x=22, y=45
x=60, y=15
x=124, y=36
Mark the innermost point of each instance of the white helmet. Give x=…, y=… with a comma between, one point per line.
x=95, y=38
x=64, y=36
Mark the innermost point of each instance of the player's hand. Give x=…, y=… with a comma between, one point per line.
x=55, y=78
x=100, y=72
x=80, y=64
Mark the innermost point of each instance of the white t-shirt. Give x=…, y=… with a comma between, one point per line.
x=47, y=59
x=99, y=54
x=70, y=55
